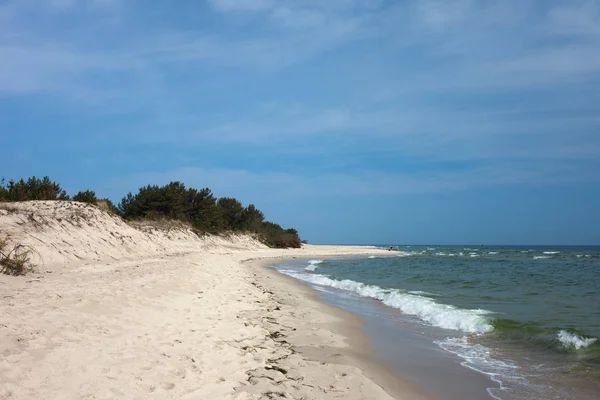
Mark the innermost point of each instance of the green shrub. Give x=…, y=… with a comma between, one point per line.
x=275, y=236
x=3, y=191
x=89, y=196
x=32, y=189
x=252, y=219
x=167, y=201
x=231, y=212
x=204, y=212
x=173, y=201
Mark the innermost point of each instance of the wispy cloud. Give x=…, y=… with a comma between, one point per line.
x=465, y=33
x=574, y=19
x=370, y=183
x=241, y=5
x=428, y=79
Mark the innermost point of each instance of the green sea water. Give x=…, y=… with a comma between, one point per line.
x=528, y=317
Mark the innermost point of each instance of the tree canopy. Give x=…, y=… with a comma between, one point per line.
x=88, y=196
x=199, y=207
x=32, y=189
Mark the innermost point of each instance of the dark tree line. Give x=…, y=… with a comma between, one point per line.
x=205, y=212
x=45, y=189
x=200, y=208
x=32, y=189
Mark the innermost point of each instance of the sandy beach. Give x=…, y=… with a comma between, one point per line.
x=116, y=311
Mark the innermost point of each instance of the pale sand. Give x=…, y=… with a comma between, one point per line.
x=116, y=312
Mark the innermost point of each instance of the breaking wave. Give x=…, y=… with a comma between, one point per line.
x=313, y=265
x=440, y=315
x=574, y=341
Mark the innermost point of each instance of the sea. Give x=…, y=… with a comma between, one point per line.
x=519, y=322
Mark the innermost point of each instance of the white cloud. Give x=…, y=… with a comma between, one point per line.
x=241, y=5
x=284, y=186
x=482, y=49
x=578, y=18
x=416, y=55
x=550, y=65
x=61, y=5
x=441, y=14
x=302, y=19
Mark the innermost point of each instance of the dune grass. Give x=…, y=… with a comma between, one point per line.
x=15, y=259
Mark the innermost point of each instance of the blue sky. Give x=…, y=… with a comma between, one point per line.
x=417, y=121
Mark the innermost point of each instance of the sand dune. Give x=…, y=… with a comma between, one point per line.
x=65, y=232
x=117, y=311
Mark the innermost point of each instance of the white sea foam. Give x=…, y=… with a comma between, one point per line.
x=421, y=293
x=511, y=377
x=541, y=257
x=573, y=340
x=372, y=257
x=473, y=255
x=313, y=264
x=493, y=252
x=440, y=315
x=477, y=358
x=551, y=252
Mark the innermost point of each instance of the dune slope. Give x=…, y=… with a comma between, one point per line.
x=117, y=311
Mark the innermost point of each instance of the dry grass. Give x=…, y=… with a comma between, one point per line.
x=8, y=207
x=15, y=259
x=159, y=223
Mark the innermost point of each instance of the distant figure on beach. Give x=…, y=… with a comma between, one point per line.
x=390, y=248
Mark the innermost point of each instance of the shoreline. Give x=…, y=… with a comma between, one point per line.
x=123, y=311
x=169, y=315
x=390, y=350
x=351, y=346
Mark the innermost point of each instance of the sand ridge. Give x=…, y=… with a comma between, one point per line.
x=162, y=315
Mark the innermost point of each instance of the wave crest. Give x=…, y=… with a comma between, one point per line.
x=573, y=340
x=440, y=315
x=313, y=264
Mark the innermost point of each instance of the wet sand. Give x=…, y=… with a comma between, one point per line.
x=403, y=349
x=333, y=335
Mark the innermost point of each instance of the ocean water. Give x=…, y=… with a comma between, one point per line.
x=528, y=318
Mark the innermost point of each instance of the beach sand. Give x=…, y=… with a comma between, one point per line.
x=116, y=311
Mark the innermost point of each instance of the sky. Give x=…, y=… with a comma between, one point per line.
x=373, y=121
